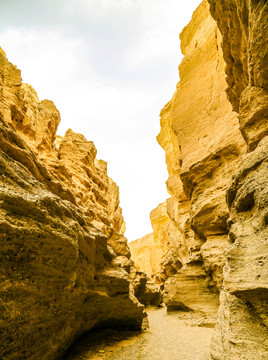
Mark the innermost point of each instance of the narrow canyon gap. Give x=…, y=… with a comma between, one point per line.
x=66, y=267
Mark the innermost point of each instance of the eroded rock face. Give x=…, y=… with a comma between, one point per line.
x=142, y=253
x=241, y=330
x=188, y=291
x=243, y=26
x=203, y=145
x=145, y=289
x=154, y=254
x=64, y=261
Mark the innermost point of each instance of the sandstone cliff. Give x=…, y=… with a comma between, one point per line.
x=207, y=144
x=143, y=254
x=200, y=135
x=217, y=164
x=154, y=253
x=64, y=261
x=241, y=331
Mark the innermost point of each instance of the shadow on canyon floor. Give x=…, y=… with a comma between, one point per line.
x=171, y=336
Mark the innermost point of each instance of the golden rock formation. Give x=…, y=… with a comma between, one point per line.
x=200, y=135
x=206, y=138
x=206, y=145
x=142, y=253
x=222, y=245
x=65, y=264
x=241, y=330
x=153, y=253
x=201, y=138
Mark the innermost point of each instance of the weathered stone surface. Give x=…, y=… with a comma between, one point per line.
x=241, y=330
x=213, y=253
x=64, y=261
x=248, y=199
x=145, y=290
x=167, y=257
x=242, y=324
x=253, y=117
x=243, y=26
x=247, y=267
x=189, y=291
x=154, y=254
x=238, y=333
x=142, y=254
x=203, y=145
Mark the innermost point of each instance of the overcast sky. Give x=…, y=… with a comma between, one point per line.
x=109, y=66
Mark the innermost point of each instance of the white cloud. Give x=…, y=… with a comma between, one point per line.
x=46, y=59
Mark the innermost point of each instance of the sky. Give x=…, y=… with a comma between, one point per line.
x=109, y=66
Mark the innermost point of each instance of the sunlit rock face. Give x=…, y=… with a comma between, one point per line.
x=142, y=253
x=189, y=291
x=203, y=145
x=154, y=254
x=64, y=261
x=200, y=135
x=168, y=253
x=241, y=331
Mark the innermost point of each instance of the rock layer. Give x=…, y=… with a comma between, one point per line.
x=142, y=253
x=222, y=246
x=188, y=291
x=154, y=254
x=241, y=331
x=200, y=135
x=65, y=264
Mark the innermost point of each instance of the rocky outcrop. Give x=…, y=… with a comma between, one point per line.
x=188, y=291
x=142, y=253
x=154, y=254
x=222, y=246
x=205, y=152
x=241, y=330
x=145, y=289
x=165, y=231
x=65, y=264
x=243, y=26
x=203, y=145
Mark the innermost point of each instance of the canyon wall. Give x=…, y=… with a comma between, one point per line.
x=65, y=264
x=155, y=253
x=214, y=132
x=241, y=330
x=143, y=254
x=203, y=145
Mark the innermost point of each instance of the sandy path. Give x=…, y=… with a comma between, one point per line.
x=167, y=339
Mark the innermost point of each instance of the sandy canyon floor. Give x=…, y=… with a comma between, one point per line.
x=170, y=337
